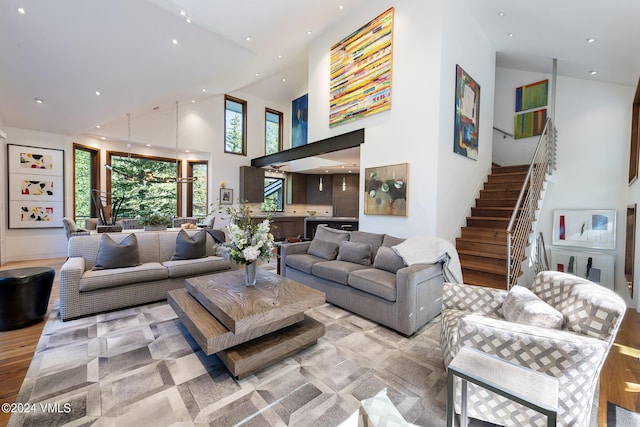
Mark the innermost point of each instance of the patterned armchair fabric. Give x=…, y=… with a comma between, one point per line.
x=472, y=317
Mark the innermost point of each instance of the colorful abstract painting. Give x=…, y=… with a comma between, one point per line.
x=532, y=96
x=386, y=190
x=360, y=79
x=36, y=186
x=467, y=115
x=529, y=124
x=299, y=113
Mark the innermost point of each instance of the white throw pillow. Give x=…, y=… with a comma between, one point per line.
x=523, y=306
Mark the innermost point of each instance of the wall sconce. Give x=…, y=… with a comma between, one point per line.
x=344, y=183
x=320, y=186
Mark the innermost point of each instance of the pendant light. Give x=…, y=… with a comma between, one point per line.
x=320, y=186
x=344, y=183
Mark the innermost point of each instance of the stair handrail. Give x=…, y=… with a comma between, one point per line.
x=542, y=164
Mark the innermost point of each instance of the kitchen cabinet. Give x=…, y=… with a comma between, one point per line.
x=251, y=184
x=314, y=195
x=297, y=188
x=346, y=203
x=284, y=226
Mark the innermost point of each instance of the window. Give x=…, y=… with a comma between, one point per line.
x=138, y=178
x=235, y=125
x=273, y=195
x=272, y=131
x=86, y=174
x=197, y=203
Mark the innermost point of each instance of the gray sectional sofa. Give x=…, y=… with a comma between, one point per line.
x=360, y=272
x=86, y=290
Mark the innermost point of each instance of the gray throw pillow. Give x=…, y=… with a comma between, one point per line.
x=358, y=253
x=190, y=247
x=523, y=306
x=330, y=235
x=386, y=259
x=391, y=241
x=323, y=249
x=117, y=255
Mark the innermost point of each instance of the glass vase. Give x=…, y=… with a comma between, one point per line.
x=250, y=274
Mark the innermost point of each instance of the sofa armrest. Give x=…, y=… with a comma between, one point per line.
x=291, y=249
x=70, y=274
x=474, y=299
x=409, y=278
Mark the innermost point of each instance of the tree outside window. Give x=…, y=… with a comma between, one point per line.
x=273, y=131
x=235, y=125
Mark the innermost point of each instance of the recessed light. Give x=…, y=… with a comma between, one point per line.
x=593, y=72
x=341, y=7
x=193, y=101
x=148, y=145
x=279, y=56
x=21, y=11
x=183, y=13
x=204, y=89
x=257, y=74
x=309, y=32
x=591, y=40
x=511, y=35
x=98, y=93
x=98, y=126
x=174, y=41
x=248, y=38
x=103, y=138
x=188, y=20
x=500, y=13
x=38, y=100
x=284, y=80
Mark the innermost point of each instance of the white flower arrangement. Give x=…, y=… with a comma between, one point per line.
x=250, y=241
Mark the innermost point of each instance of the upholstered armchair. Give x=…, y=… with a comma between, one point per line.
x=590, y=316
x=71, y=229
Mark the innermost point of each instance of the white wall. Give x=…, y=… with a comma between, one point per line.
x=418, y=126
x=593, y=121
x=3, y=194
x=21, y=244
x=459, y=179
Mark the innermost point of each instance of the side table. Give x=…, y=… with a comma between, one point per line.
x=527, y=387
x=24, y=296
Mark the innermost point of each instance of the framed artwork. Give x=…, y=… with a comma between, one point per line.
x=465, y=138
x=299, y=113
x=36, y=187
x=532, y=96
x=360, y=74
x=529, y=124
x=226, y=196
x=595, y=266
x=386, y=190
x=595, y=229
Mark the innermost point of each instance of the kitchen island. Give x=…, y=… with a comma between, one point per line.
x=348, y=223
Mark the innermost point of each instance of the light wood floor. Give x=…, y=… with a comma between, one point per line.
x=620, y=379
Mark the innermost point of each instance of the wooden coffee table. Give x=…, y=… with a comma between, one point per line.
x=249, y=328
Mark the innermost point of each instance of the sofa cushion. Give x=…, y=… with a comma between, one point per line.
x=190, y=247
x=376, y=282
x=323, y=249
x=373, y=239
x=100, y=279
x=359, y=253
x=523, y=306
x=193, y=267
x=330, y=235
x=117, y=255
x=389, y=241
x=336, y=271
x=302, y=262
x=387, y=260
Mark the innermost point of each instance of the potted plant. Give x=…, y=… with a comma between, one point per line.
x=155, y=221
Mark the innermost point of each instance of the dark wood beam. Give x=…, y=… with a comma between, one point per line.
x=335, y=143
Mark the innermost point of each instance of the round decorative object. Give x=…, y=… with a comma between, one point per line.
x=250, y=274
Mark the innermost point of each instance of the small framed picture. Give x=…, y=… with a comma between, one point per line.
x=226, y=196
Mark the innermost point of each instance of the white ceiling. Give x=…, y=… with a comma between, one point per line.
x=62, y=51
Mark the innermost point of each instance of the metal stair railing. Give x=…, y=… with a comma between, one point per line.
x=519, y=228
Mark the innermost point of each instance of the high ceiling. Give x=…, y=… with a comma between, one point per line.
x=63, y=51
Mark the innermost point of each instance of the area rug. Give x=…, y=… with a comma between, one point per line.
x=140, y=366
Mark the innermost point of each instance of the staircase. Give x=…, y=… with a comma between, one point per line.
x=482, y=247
